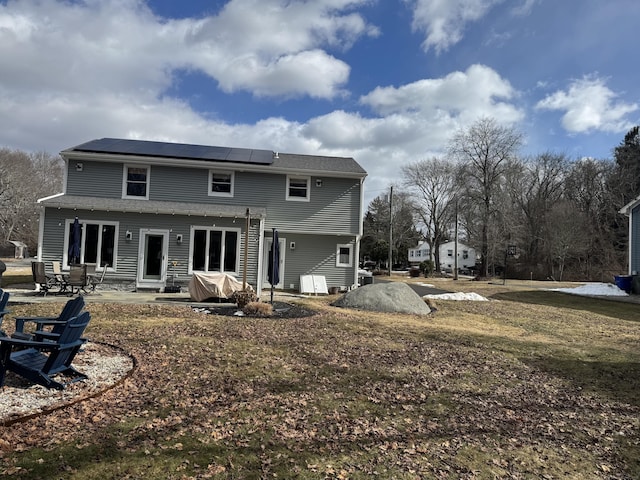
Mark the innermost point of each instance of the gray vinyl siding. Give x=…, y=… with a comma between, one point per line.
x=316, y=255
x=127, y=250
x=97, y=179
x=333, y=208
x=634, y=260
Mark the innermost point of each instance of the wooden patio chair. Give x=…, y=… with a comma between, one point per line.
x=41, y=279
x=95, y=279
x=38, y=362
x=77, y=280
x=71, y=309
x=59, y=277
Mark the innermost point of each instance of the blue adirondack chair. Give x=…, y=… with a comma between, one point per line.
x=4, y=300
x=38, y=362
x=72, y=308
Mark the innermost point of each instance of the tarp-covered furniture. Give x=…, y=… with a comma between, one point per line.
x=213, y=285
x=38, y=362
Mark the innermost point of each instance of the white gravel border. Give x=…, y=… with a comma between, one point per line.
x=103, y=364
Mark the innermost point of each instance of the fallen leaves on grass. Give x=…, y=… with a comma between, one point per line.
x=337, y=395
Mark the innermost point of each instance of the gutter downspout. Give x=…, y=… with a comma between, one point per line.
x=358, y=237
x=260, y=258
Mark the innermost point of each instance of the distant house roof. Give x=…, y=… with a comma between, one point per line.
x=249, y=159
x=626, y=210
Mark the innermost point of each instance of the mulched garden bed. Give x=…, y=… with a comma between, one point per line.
x=280, y=310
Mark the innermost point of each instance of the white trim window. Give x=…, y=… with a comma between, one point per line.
x=221, y=183
x=135, y=182
x=98, y=243
x=298, y=188
x=215, y=249
x=344, y=255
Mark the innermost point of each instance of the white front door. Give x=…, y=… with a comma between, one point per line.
x=152, y=258
x=265, y=256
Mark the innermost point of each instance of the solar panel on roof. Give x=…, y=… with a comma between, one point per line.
x=176, y=150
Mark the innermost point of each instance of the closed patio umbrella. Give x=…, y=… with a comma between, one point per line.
x=74, y=247
x=273, y=271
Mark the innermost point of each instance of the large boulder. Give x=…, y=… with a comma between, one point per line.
x=393, y=297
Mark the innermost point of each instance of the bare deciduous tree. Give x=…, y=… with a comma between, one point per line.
x=434, y=185
x=25, y=177
x=535, y=185
x=485, y=150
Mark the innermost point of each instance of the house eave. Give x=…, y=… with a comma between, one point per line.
x=628, y=208
x=74, y=202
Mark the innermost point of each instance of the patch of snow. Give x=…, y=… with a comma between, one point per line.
x=425, y=284
x=601, y=289
x=458, y=296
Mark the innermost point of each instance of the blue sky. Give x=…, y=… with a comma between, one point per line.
x=384, y=81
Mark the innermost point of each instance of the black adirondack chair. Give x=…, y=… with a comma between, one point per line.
x=4, y=300
x=39, y=362
x=71, y=309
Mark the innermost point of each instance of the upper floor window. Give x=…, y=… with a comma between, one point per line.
x=135, y=183
x=450, y=253
x=344, y=255
x=465, y=254
x=298, y=188
x=220, y=183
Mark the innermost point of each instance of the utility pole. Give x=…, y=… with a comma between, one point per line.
x=455, y=246
x=390, y=228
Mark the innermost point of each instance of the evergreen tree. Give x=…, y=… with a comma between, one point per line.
x=627, y=156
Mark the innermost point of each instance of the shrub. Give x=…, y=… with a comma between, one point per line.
x=243, y=298
x=427, y=267
x=259, y=309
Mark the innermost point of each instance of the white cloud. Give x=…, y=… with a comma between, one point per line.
x=423, y=112
x=444, y=21
x=479, y=91
x=267, y=47
x=413, y=121
x=589, y=105
x=272, y=47
x=525, y=8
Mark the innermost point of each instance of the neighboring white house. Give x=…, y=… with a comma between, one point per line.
x=466, y=255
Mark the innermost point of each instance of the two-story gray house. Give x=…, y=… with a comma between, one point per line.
x=152, y=211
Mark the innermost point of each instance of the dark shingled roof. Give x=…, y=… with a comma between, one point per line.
x=146, y=148
x=262, y=159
